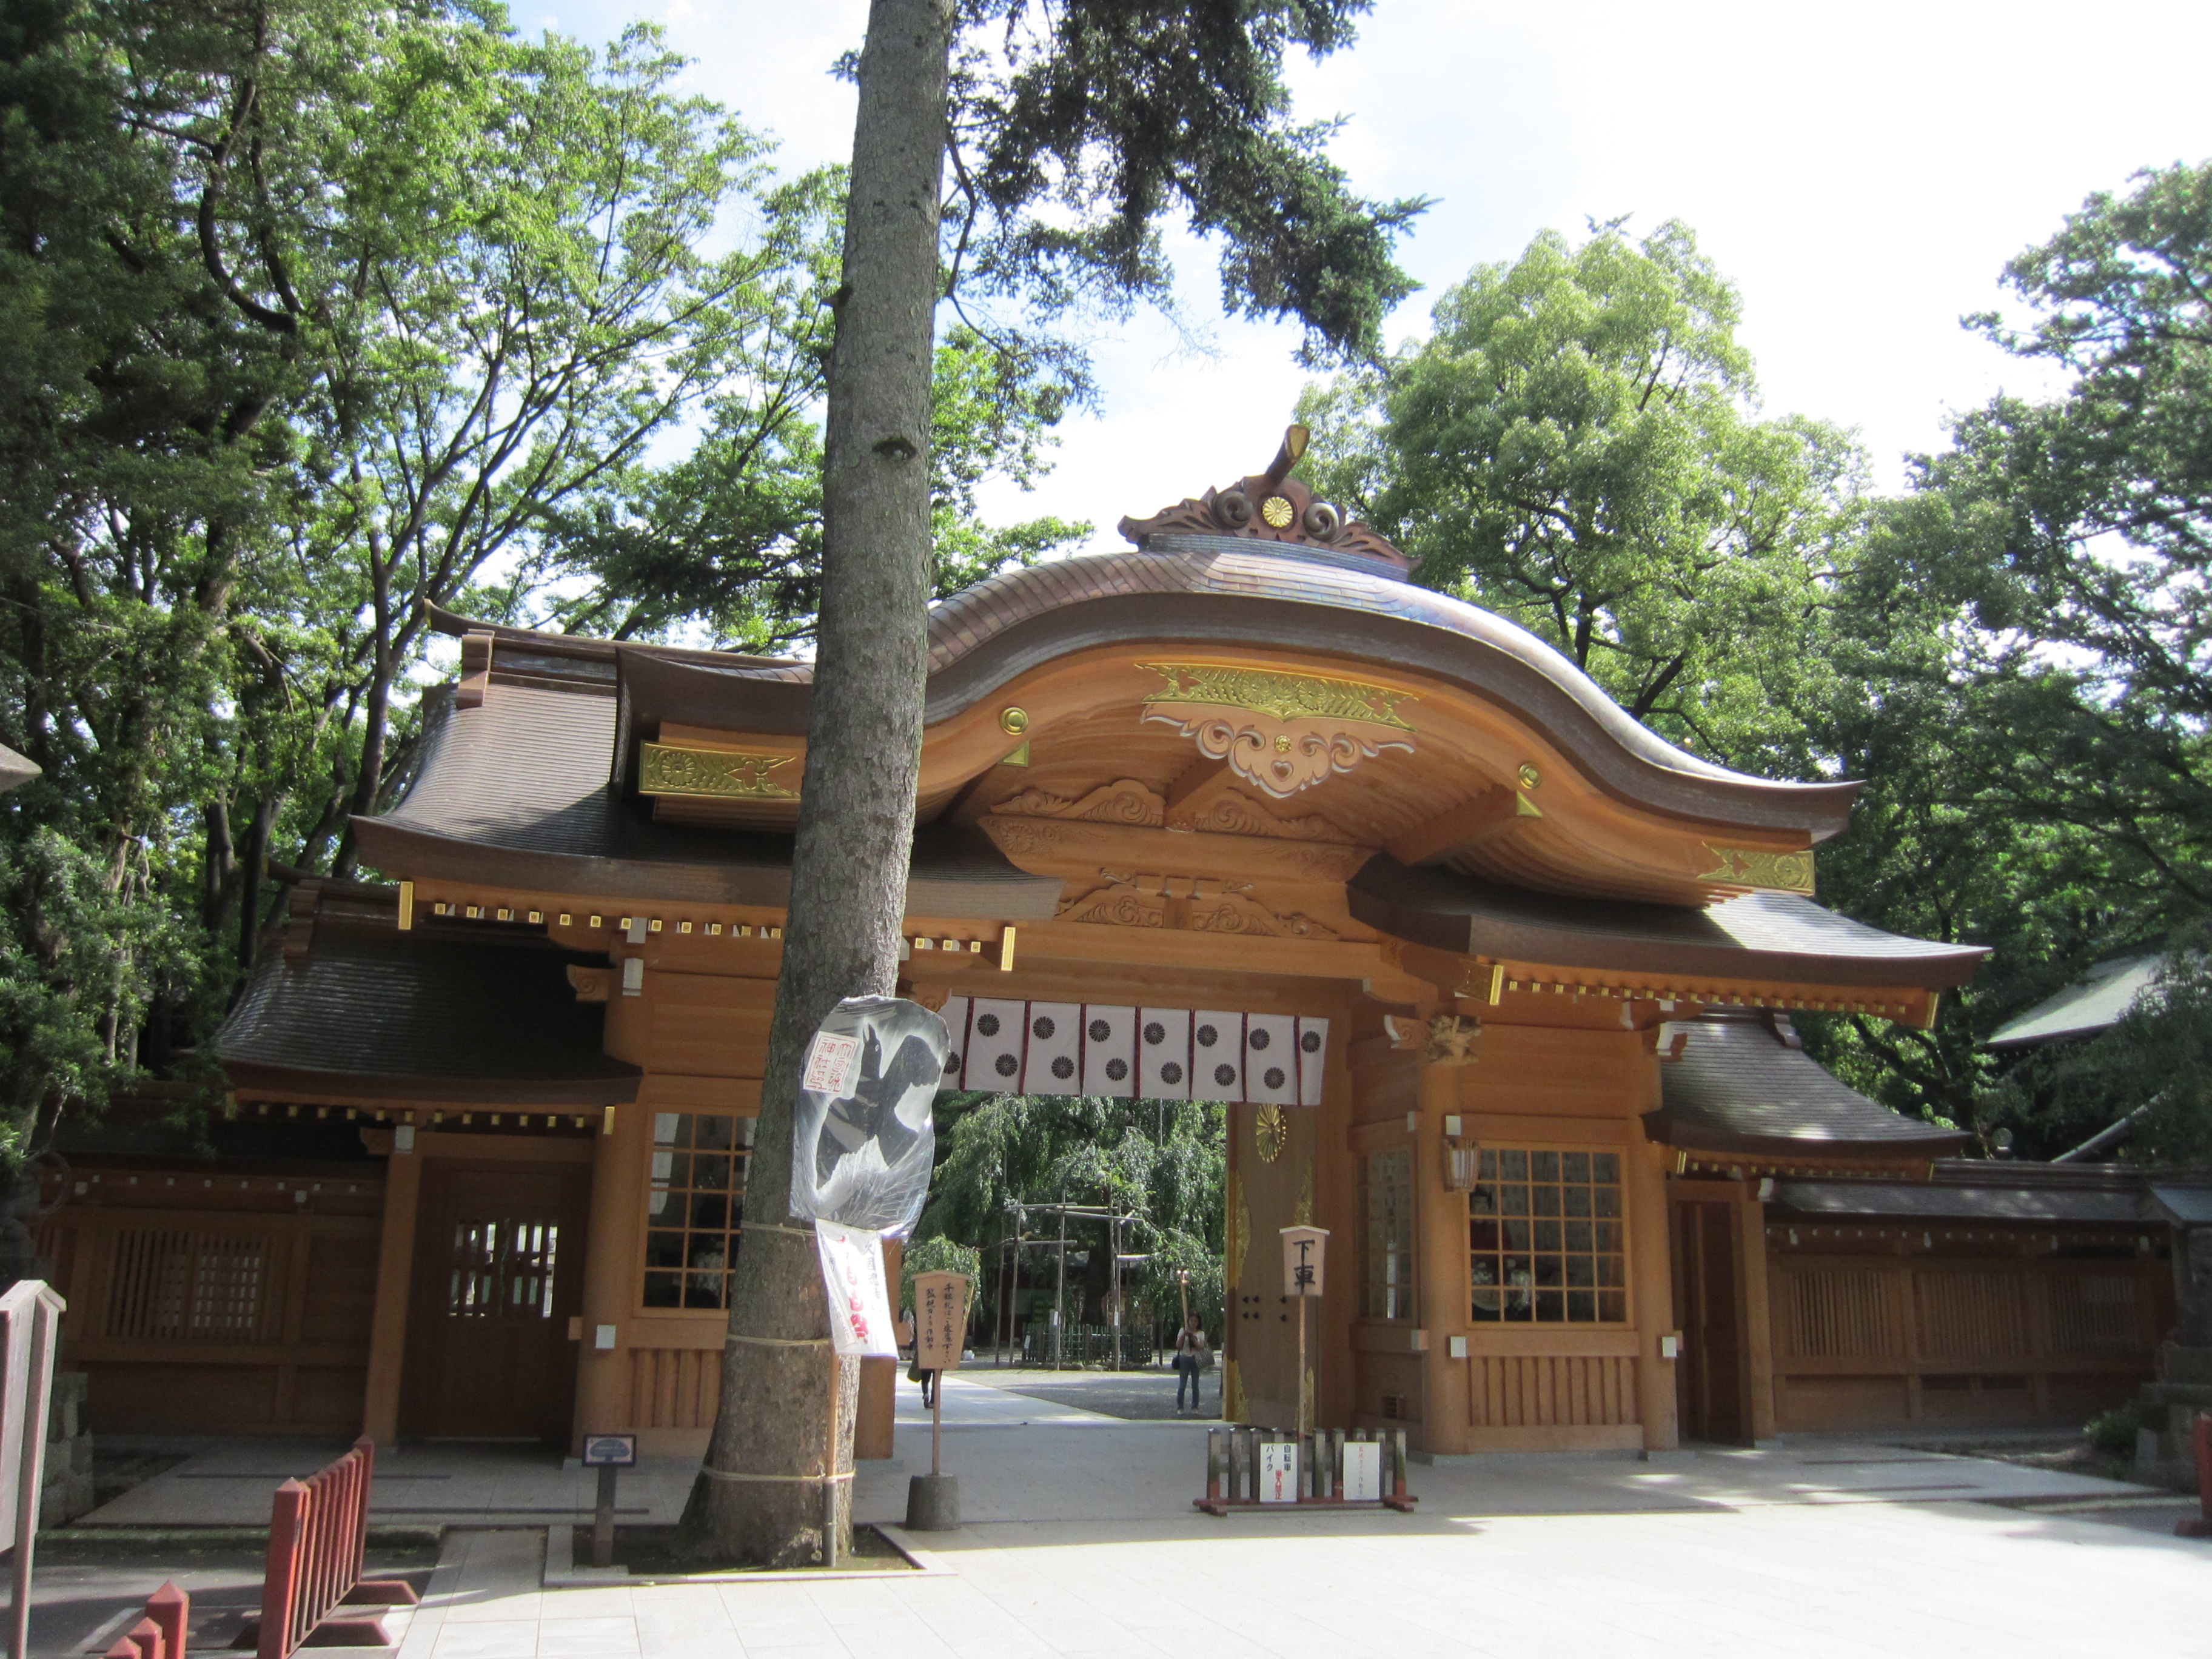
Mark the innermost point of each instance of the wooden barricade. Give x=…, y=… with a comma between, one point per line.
x=1235, y=1457
x=2200, y=1439
x=160, y=1633
x=318, y=1538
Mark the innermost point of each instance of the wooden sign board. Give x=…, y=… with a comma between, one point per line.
x=1303, y=1249
x=1278, y=1472
x=940, y=1320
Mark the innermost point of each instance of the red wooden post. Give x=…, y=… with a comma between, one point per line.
x=317, y=1545
x=280, y=1580
x=171, y=1608
x=2200, y=1526
x=143, y=1640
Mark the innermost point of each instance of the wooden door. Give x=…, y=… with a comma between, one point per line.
x=1706, y=1278
x=499, y=1261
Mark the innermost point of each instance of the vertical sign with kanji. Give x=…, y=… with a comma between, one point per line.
x=940, y=1320
x=852, y=1280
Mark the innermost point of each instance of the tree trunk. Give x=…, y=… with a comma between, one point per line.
x=760, y=1495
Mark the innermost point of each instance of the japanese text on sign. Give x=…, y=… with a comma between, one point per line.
x=940, y=1320
x=833, y=1065
x=853, y=1280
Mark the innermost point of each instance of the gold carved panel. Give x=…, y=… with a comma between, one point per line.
x=1280, y=732
x=715, y=774
x=1778, y=872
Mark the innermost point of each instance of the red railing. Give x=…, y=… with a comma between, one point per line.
x=318, y=1537
x=160, y=1633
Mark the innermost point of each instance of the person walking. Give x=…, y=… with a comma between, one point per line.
x=1191, y=1355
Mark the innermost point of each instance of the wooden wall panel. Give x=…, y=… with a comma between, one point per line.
x=1837, y=1312
x=707, y=1025
x=1891, y=1340
x=674, y=1387
x=1532, y=1391
x=231, y=1309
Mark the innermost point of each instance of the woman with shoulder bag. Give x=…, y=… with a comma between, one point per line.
x=1191, y=1357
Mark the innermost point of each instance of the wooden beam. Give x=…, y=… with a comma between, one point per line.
x=1196, y=787
x=1487, y=817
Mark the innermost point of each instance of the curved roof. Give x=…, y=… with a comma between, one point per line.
x=1225, y=593
x=515, y=792
x=2098, y=1001
x=354, y=1006
x=1741, y=1085
x=1765, y=936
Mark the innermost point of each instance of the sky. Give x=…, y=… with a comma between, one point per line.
x=1862, y=173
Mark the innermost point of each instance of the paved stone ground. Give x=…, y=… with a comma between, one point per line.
x=1080, y=1540
x=1147, y=1395
x=228, y=1482
x=88, y=1590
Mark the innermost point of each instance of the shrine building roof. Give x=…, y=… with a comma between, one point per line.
x=1256, y=686
x=1741, y=1082
x=348, y=1005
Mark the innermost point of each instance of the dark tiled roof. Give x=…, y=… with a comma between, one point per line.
x=1913, y=1201
x=431, y=1014
x=514, y=793
x=1762, y=936
x=1740, y=1087
x=2098, y=1002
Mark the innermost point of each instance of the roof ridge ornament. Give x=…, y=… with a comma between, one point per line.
x=1268, y=506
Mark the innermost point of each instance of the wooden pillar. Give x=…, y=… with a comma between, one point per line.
x=1754, y=1318
x=395, y=1274
x=1652, y=1281
x=613, y=1270
x=1336, y=1206
x=1441, y=1218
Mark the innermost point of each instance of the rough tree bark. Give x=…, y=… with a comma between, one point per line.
x=785, y=1418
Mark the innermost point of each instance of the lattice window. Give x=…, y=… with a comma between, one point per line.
x=189, y=1287
x=503, y=1269
x=1970, y=1315
x=694, y=1205
x=1838, y=1313
x=1386, y=1232
x=1545, y=1240
x=2095, y=1313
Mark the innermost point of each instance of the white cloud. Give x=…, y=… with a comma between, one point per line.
x=1861, y=171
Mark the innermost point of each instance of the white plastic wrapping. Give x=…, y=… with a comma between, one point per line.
x=863, y=1144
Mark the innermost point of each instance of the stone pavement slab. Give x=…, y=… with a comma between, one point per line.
x=229, y=1483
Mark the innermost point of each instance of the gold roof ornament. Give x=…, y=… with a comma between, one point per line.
x=1268, y=506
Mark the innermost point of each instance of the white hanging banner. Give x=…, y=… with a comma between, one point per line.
x=996, y=1030
x=1217, y=1055
x=1313, y=1059
x=1271, y=1059
x=1055, y=1049
x=1149, y=1054
x=1109, y=1052
x=852, y=1280
x=1163, y=1053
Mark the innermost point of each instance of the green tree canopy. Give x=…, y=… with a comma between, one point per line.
x=311, y=312
x=1577, y=446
